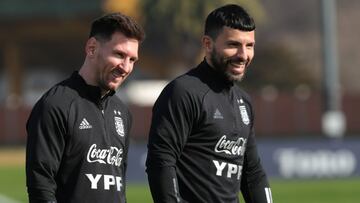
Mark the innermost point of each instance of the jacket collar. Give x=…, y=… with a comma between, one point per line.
x=214, y=76
x=91, y=92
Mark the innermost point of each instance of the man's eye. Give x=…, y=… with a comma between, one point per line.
x=120, y=55
x=233, y=44
x=250, y=45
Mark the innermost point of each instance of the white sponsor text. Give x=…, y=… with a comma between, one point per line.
x=108, y=180
x=231, y=147
x=112, y=156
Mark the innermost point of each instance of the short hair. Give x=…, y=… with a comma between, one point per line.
x=105, y=26
x=231, y=15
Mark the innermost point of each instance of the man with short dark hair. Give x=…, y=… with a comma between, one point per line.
x=78, y=132
x=202, y=143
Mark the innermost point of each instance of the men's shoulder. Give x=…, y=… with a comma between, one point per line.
x=60, y=95
x=181, y=90
x=189, y=82
x=54, y=104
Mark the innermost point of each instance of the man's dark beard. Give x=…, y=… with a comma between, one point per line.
x=220, y=64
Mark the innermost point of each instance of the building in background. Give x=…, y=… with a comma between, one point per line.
x=43, y=42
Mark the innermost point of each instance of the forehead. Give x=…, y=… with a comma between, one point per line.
x=228, y=33
x=120, y=41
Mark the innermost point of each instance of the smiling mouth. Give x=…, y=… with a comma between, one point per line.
x=237, y=62
x=237, y=65
x=118, y=73
x=237, y=68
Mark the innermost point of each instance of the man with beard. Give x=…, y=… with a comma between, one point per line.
x=78, y=132
x=201, y=144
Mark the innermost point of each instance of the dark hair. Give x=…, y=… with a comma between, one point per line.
x=104, y=27
x=230, y=15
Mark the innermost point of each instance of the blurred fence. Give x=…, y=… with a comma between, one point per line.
x=282, y=115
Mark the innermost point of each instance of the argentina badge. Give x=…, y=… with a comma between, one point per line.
x=119, y=125
x=244, y=115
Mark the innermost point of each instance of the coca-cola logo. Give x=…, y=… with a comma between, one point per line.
x=112, y=156
x=231, y=147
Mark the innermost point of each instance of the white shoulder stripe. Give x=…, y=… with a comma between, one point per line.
x=268, y=195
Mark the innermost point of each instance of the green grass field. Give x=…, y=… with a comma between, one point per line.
x=12, y=185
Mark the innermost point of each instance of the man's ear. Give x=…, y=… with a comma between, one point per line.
x=207, y=43
x=91, y=47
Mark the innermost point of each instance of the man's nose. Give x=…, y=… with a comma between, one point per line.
x=241, y=53
x=125, y=66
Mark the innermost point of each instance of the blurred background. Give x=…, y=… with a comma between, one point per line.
x=304, y=80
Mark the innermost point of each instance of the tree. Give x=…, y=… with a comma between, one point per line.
x=173, y=41
x=278, y=66
x=174, y=29
x=130, y=7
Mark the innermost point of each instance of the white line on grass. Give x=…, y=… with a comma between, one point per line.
x=4, y=199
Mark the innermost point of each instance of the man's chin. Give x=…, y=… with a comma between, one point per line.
x=114, y=85
x=234, y=77
x=110, y=87
x=113, y=88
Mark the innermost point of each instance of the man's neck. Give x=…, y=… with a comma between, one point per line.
x=87, y=75
x=208, y=61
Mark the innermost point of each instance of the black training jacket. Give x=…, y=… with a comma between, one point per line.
x=201, y=144
x=77, y=145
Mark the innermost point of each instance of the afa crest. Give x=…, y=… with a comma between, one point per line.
x=119, y=125
x=244, y=115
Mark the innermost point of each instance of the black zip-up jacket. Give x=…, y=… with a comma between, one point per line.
x=201, y=144
x=77, y=145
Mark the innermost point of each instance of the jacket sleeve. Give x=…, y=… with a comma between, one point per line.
x=172, y=120
x=254, y=184
x=45, y=146
x=127, y=144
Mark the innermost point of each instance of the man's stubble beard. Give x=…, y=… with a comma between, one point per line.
x=221, y=65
